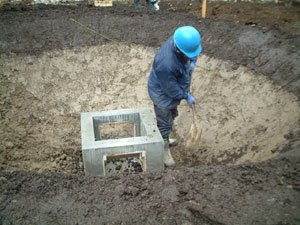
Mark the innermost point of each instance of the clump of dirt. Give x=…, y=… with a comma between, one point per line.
x=247, y=87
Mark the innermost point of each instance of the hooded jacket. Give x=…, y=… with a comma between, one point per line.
x=170, y=78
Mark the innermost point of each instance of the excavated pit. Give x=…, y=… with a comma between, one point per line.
x=244, y=115
x=246, y=83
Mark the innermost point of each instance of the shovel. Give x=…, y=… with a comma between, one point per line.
x=194, y=134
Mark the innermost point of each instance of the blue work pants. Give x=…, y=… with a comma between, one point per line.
x=165, y=120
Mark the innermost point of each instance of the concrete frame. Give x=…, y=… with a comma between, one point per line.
x=147, y=140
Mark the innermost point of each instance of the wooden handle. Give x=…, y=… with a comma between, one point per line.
x=194, y=112
x=203, y=8
x=195, y=115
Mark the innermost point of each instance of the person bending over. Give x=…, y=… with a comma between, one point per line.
x=170, y=79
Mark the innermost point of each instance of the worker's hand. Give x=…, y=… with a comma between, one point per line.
x=193, y=64
x=190, y=100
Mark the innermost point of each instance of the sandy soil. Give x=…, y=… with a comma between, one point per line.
x=246, y=169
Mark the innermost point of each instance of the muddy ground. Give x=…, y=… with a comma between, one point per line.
x=246, y=169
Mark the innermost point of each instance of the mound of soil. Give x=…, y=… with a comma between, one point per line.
x=249, y=193
x=265, y=193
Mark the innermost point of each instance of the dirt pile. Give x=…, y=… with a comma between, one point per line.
x=265, y=193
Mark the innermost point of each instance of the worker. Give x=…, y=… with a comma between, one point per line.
x=151, y=4
x=170, y=79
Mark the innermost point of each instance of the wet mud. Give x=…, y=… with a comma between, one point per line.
x=246, y=169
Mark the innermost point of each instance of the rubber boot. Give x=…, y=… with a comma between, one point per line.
x=156, y=6
x=172, y=142
x=168, y=159
x=137, y=4
x=152, y=4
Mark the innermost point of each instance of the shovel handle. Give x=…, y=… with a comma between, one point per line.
x=194, y=112
x=195, y=116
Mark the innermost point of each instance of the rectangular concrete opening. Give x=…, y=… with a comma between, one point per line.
x=118, y=126
x=124, y=163
x=116, y=130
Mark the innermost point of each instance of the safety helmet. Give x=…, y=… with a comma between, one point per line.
x=188, y=41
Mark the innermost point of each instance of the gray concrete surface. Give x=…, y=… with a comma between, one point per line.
x=146, y=141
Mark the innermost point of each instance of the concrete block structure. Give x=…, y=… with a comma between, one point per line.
x=146, y=143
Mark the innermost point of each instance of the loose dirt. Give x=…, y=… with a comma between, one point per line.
x=246, y=83
x=284, y=16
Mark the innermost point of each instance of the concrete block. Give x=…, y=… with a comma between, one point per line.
x=146, y=143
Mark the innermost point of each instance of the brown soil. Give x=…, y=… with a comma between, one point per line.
x=284, y=16
x=246, y=169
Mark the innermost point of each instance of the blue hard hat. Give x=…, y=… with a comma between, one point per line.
x=188, y=41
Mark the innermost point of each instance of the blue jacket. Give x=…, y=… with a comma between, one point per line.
x=170, y=77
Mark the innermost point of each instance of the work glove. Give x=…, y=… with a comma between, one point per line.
x=193, y=64
x=190, y=100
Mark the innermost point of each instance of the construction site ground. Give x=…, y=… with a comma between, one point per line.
x=59, y=60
